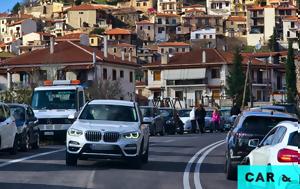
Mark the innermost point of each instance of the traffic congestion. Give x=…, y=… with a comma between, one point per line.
x=122, y=131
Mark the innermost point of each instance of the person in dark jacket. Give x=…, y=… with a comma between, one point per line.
x=200, y=116
x=235, y=110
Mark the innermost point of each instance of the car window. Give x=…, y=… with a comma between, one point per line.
x=2, y=114
x=184, y=113
x=269, y=138
x=7, y=111
x=294, y=139
x=261, y=125
x=80, y=99
x=147, y=112
x=18, y=112
x=279, y=135
x=30, y=113
x=166, y=113
x=109, y=113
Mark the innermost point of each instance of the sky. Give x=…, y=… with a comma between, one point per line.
x=7, y=4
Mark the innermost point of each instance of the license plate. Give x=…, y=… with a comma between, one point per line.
x=49, y=133
x=101, y=147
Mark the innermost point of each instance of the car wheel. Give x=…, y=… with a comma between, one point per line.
x=26, y=143
x=36, y=144
x=71, y=159
x=14, y=149
x=230, y=170
x=145, y=157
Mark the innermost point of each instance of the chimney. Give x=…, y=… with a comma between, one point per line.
x=165, y=58
x=123, y=55
x=94, y=58
x=51, y=45
x=203, y=56
x=105, y=46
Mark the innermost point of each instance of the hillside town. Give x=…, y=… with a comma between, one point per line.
x=175, y=48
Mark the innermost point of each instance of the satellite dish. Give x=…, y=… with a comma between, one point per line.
x=258, y=46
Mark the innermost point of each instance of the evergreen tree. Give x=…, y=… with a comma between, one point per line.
x=290, y=76
x=78, y=2
x=236, y=79
x=272, y=42
x=16, y=8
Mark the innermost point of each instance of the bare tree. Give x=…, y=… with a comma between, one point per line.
x=105, y=89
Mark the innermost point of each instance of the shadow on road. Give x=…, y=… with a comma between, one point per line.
x=33, y=186
x=212, y=168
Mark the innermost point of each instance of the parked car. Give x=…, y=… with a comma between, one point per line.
x=108, y=129
x=27, y=125
x=152, y=116
x=208, y=120
x=226, y=118
x=279, y=147
x=184, y=115
x=8, y=130
x=172, y=121
x=249, y=125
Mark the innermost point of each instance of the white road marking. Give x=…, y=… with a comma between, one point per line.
x=90, y=183
x=198, y=165
x=30, y=157
x=186, y=180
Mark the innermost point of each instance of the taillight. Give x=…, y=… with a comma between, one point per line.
x=288, y=156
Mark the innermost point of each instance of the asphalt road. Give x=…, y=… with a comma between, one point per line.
x=175, y=162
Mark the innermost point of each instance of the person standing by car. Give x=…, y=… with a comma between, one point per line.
x=235, y=110
x=216, y=119
x=200, y=116
x=193, y=120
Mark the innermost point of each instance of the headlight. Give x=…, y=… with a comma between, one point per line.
x=132, y=135
x=74, y=132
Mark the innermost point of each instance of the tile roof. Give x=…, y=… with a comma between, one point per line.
x=166, y=15
x=229, y=58
x=69, y=37
x=194, y=10
x=168, y=44
x=15, y=23
x=118, y=31
x=125, y=45
x=82, y=7
x=237, y=18
x=68, y=53
x=194, y=6
x=265, y=54
x=144, y=22
x=45, y=34
x=290, y=18
x=3, y=15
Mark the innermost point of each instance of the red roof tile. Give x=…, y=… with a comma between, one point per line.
x=118, y=31
x=194, y=6
x=3, y=15
x=290, y=18
x=82, y=7
x=171, y=44
x=144, y=22
x=15, y=23
x=265, y=54
x=70, y=37
x=125, y=45
x=45, y=34
x=194, y=10
x=64, y=53
x=166, y=15
x=237, y=18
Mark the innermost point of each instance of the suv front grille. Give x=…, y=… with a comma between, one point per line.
x=55, y=121
x=111, y=137
x=93, y=136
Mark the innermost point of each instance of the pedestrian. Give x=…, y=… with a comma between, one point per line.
x=235, y=110
x=216, y=119
x=193, y=120
x=200, y=116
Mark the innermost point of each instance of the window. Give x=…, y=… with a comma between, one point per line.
x=179, y=29
x=183, y=49
x=104, y=73
x=170, y=50
x=269, y=138
x=156, y=75
x=130, y=77
x=197, y=36
x=80, y=12
x=210, y=36
x=161, y=29
x=159, y=21
x=288, y=33
x=114, y=75
x=141, y=27
x=204, y=36
x=215, y=73
x=121, y=74
x=149, y=27
x=115, y=50
x=92, y=41
x=145, y=3
x=162, y=50
x=279, y=135
x=227, y=4
x=294, y=139
x=179, y=95
x=292, y=24
x=137, y=4
x=30, y=114
x=173, y=21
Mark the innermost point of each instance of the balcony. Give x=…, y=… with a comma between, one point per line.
x=261, y=82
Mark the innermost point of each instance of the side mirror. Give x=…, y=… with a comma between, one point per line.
x=253, y=143
x=35, y=121
x=72, y=116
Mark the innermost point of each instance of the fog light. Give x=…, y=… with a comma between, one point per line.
x=74, y=142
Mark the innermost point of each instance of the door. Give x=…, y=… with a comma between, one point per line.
x=198, y=97
x=11, y=126
x=3, y=128
x=31, y=125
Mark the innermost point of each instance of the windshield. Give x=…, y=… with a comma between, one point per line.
x=262, y=125
x=147, y=112
x=54, y=99
x=109, y=113
x=184, y=113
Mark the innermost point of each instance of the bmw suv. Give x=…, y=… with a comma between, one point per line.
x=249, y=125
x=108, y=129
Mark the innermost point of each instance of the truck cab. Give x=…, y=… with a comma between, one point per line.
x=54, y=102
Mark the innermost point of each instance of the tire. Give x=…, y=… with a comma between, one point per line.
x=71, y=159
x=145, y=157
x=36, y=144
x=26, y=143
x=14, y=149
x=231, y=172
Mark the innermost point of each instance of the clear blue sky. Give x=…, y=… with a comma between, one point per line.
x=7, y=4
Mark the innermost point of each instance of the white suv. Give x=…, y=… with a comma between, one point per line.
x=108, y=129
x=8, y=130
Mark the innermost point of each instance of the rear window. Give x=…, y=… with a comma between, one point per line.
x=261, y=125
x=294, y=139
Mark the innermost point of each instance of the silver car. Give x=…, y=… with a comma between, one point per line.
x=108, y=129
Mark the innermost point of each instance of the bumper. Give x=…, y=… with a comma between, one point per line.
x=55, y=128
x=102, y=150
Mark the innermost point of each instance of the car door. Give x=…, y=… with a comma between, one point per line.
x=31, y=127
x=3, y=128
x=260, y=155
x=10, y=127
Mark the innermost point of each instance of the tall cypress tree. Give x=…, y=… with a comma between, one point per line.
x=236, y=79
x=290, y=76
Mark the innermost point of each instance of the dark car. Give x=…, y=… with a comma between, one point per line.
x=249, y=125
x=152, y=116
x=172, y=120
x=27, y=126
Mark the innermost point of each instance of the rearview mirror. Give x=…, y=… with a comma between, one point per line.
x=72, y=116
x=253, y=143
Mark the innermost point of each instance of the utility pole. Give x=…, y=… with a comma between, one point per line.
x=248, y=78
